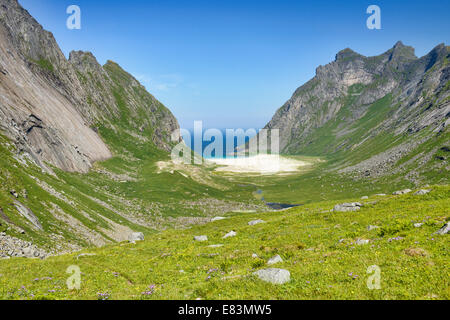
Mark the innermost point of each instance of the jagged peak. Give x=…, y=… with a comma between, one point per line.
x=401, y=52
x=347, y=53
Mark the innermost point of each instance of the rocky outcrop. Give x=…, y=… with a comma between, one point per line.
x=354, y=100
x=50, y=106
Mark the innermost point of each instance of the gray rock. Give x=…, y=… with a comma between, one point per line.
x=422, y=192
x=370, y=228
x=136, y=236
x=381, y=195
x=418, y=225
x=215, y=246
x=255, y=222
x=406, y=191
x=362, y=242
x=201, y=238
x=274, y=276
x=274, y=260
x=230, y=234
x=217, y=219
x=346, y=207
x=444, y=229
x=255, y=256
x=364, y=198
x=14, y=194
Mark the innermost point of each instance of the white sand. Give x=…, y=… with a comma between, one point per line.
x=263, y=164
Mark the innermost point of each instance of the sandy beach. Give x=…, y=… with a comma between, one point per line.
x=262, y=164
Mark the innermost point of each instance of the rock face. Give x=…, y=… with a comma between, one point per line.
x=49, y=106
x=275, y=276
x=355, y=99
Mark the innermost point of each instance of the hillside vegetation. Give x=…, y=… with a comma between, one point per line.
x=317, y=246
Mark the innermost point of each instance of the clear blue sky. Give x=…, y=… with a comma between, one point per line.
x=234, y=63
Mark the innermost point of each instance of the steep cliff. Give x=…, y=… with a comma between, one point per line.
x=51, y=107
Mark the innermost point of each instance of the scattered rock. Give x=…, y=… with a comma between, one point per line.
x=370, y=228
x=345, y=207
x=215, y=246
x=274, y=260
x=364, y=198
x=14, y=194
x=418, y=225
x=406, y=191
x=230, y=234
x=255, y=222
x=217, y=219
x=416, y=252
x=201, y=238
x=381, y=195
x=13, y=247
x=275, y=276
x=136, y=236
x=422, y=192
x=444, y=229
x=255, y=256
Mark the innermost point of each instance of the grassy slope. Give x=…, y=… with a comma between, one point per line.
x=307, y=238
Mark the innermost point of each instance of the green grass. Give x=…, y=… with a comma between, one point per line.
x=307, y=238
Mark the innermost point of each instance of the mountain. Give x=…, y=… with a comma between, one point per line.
x=52, y=108
x=370, y=112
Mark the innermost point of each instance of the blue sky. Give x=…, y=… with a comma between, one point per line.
x=234, y=63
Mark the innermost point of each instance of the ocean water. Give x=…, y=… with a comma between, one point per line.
x=220, y=153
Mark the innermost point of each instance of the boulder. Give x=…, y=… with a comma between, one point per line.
x=274, y=260
x=422, y=192
x=406, y=191
x=361, y=242
x=230, y=234
x=136, y=236
x=444, y=229
x=346, y=207
x=217, y=219
x=274, y=276
x=255, y=222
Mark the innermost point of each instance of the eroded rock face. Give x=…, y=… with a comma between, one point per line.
x=49, y=105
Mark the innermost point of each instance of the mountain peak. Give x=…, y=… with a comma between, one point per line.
x=347, y=53
x=400, y=52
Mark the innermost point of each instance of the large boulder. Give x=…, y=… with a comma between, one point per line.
x=346, y=207
x=275, y=276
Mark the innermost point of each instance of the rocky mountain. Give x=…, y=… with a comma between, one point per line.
x=370, y=111
x=52, y=108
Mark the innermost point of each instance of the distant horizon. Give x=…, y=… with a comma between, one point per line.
x=233, y=64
